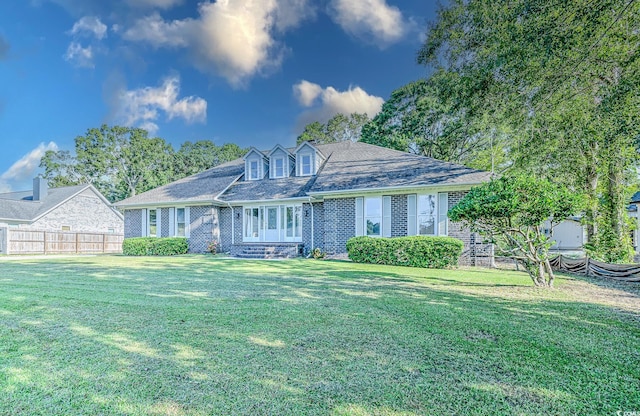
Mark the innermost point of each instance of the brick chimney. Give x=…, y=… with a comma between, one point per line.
x=40, y=188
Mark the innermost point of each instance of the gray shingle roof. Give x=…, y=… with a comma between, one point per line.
x=19, y=206
x=348, y=166
x=201, y=187
x=362, y=166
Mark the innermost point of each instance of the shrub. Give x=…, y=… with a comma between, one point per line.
x=152, y=246
x=418, y=251
x=213, y=247
x=318, y=254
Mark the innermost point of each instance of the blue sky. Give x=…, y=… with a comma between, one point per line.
x=252, y=72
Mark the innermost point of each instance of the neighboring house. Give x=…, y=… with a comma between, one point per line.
x=288, y=201
x=571, y=234
x=78, y=208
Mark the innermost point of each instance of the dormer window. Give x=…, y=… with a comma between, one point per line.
x=254, y=172
x=278, y=167
x=255, y=165
x=308, y=159
x=306, y=165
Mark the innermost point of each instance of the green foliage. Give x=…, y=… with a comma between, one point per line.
x=318, y=254
x=560, y=84
x=213, y=247
x=152, y=246
x=510, y=212
x=196, y=157
x=124, y=161
x=416, y=251
x=426, y=117
x=339, y=128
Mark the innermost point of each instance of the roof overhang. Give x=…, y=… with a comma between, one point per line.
x=271, y=201
x=396, y=189
x=186, y=203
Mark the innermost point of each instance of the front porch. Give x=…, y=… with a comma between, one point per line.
x=280, y=250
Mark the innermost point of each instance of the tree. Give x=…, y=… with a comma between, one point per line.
x=427, y=117
x=549, y=76
x=339, y=128
x=198, y=156
x=510, y=213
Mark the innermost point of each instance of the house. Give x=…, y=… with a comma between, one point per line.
x=571, y=234
x=69, y=209
x=288, y=201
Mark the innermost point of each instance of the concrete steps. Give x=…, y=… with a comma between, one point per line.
x=267, y=250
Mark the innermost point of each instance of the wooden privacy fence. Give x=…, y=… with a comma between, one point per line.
x=62, y=242
x=594, y=268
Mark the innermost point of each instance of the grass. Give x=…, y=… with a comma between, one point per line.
x=198, y=335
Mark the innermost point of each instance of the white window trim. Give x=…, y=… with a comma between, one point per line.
x=413, y=225
x=158, y=222
x=282, y=227
x=250, y=169
x=274, y=171
x=187, y=221
x=299, y=164
x=385, y=216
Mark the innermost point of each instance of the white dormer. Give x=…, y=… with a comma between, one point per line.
x=281, y=162
x=256, y=165
x=308, y=159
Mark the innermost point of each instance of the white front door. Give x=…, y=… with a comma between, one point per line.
x=272, y=228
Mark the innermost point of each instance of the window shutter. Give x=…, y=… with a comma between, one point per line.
x=359, y=216
x=172, y=222
x=412, y=225
x=159, y=222
x=386, y=216
x=187, y=222
x=443, y=208
x=144, y=221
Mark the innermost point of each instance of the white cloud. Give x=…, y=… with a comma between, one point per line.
x=142, y=106
x=327, y=102
x=161, y=4
x=79, y=56
x=25, y=168
x=370, y=20
x=233, y=38
x=90, y=25
x=306, y=92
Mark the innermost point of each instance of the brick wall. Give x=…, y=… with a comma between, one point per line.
x=476, y=252
x=133, y=223
x=164, y=224
x=339, y=224
x=398, y=215
x=85, y=212
x=204, y=227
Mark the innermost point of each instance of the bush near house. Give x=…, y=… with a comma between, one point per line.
x=418, y=251
x=152, y=246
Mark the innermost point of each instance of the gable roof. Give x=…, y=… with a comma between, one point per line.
x=253, y=150
x=20, y=206
x=348, y=167
x=279, y=147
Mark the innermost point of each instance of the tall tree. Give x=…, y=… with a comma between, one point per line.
x=194, y=157
x=562, y=81
x=339, y=128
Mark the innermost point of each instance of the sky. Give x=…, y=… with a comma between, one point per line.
x=251, y=72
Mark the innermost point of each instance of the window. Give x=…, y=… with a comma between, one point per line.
x=373, y=216
x=443, y=209
x=305, y=168
x=252, y=223
x=181, y=223
x=253, y=170
x=153, y=223
x=278, y=168
x=426, y=215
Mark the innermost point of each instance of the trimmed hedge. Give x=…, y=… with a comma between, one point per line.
x=418, y=251
x=153, y=246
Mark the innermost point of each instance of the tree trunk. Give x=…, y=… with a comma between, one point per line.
x=549, y=270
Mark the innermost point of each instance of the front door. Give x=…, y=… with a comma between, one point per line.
x=272, y=228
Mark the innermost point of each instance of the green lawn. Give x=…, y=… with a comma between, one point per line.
x=199, y=335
